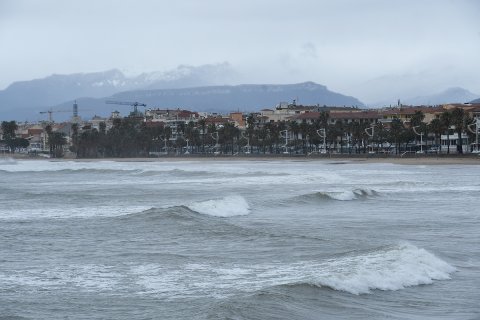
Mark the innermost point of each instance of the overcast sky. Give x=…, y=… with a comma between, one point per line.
x=371, y=49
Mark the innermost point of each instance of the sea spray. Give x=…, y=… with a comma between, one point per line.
x=388, y=268
x=228, y=206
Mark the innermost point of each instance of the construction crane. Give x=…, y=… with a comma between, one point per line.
x=53, y=111
x=135, y=105
x=75, y=117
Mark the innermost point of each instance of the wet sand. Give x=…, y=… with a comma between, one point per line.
x=469, y=159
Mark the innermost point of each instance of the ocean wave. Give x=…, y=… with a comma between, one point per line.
x=228, y=206
x=61, y=170
x=173, y=172
x=7, y=161
x=225, y=207
x=348, y=195
x=391, y=268
x=71, y=213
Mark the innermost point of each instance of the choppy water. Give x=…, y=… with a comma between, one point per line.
x=238, y=240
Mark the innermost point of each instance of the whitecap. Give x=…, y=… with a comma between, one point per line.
x=228, y=206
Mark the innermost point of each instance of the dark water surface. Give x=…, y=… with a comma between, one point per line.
x=238, y=240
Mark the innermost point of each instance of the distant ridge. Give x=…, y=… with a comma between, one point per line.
x=22, y=98
x=450, y=95
x=247, y=97
x=195, y=88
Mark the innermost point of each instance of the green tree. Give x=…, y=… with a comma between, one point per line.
x=396, y=129
x=417, y=118
x=56, y=141
x=75, y=137
x=436, y=126
x=203, y=126
x=9, y=135
x=447, y=121
x=459, y=120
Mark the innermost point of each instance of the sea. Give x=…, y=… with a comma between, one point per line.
x=238, y=239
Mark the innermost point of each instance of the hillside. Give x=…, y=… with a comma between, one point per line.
x=221, y=98
x=450, y=95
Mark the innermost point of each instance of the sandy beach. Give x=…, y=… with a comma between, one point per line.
x=335, y=159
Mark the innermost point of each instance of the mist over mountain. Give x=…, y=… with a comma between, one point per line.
x=249, y=97
x=23, y=98
x=196, y=88
x=450, y=95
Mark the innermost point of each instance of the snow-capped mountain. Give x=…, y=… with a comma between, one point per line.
x=223, y=99
x=36, y=95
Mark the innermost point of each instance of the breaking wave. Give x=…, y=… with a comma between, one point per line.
x=229, y=206
x=348, y=195
x=388, y=268
x=7, y=161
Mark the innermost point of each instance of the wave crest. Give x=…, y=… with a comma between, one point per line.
x=348, y=195
x=229, y=206
x=390, y=268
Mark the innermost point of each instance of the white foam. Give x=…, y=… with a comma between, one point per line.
x=90, y=278
x=349, y=195
x=67, y=213
x=7, y=161
x=225, y=207
x=342, y=196
x=391, y=268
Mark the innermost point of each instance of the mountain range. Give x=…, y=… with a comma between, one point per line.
x=194, y=88
x=223, y=98
x=198, y=88
x=450, y=95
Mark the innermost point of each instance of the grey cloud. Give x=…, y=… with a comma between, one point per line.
x=343, y=44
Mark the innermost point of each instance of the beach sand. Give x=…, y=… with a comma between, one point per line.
x=469, y=159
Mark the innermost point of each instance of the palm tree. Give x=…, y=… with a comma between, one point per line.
x=459, y=120
x=57, y=141
x=417, y=118
x=167, y=134
x=396, y=129
x=339, y=130
x=9, y=136
x=74, y=147
x=48, y=130
x=295, y=129
x=436, y=126
x=323, y=117
x=203, y=125
x=250, y=129
x=446, y=119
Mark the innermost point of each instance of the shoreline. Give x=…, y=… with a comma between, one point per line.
x=335, y=159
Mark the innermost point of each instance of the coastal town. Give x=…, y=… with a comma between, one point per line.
x=285, y=129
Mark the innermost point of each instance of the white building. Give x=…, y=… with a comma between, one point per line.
x=453, y=140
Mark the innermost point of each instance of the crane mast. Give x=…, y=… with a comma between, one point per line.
x=135, y=105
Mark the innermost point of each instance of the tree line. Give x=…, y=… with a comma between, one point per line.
x=132, y=137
